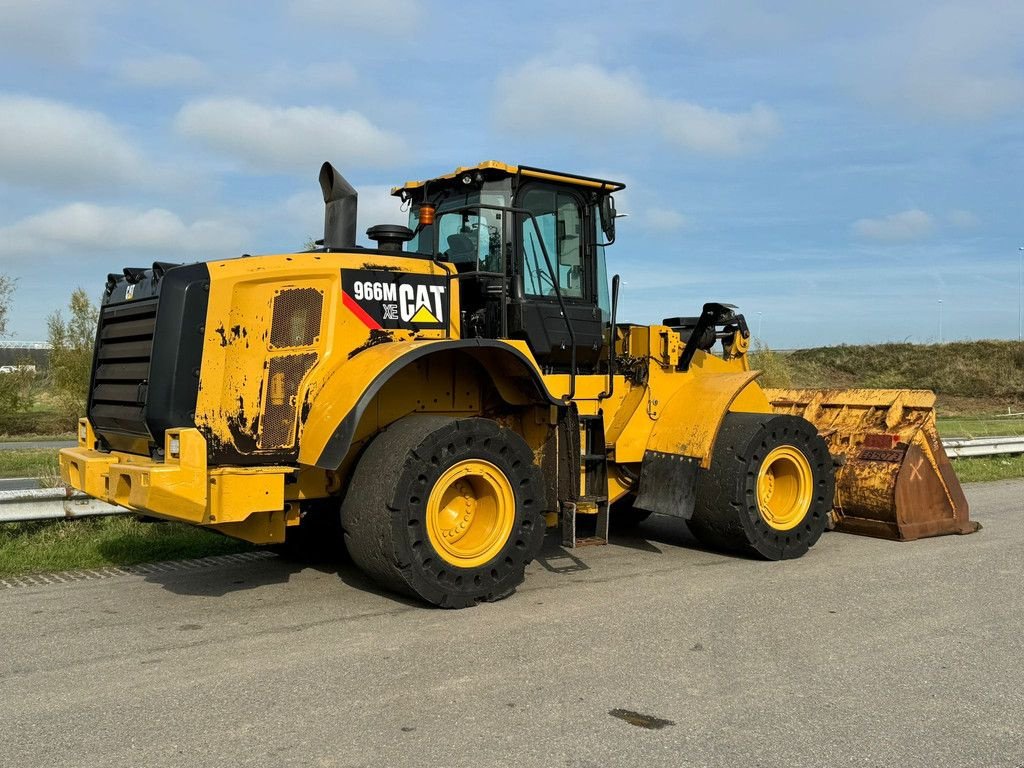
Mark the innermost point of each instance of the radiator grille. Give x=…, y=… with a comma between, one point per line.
x=285, y=373
x=121, y=378
x=296, y=318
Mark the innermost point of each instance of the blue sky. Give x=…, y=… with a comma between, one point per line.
x=835, y=169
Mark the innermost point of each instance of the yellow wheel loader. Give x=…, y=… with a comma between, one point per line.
x=443, y=399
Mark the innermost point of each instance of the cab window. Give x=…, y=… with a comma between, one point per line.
x=471, y=240
x=559, y=226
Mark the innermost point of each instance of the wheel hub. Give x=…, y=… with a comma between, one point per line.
x=784, y=488
x=470, y=513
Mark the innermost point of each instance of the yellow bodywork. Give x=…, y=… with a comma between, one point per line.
x=374, y=380
x=237, y=350
x=290, y=370
x=247, y=502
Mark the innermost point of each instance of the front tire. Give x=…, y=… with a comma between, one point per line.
x=447, y=510
x=769, y=489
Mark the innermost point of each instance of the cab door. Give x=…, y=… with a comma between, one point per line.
x=555, y=253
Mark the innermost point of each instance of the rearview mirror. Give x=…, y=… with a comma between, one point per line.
x=607, y=210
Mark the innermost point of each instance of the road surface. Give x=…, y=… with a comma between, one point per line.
x=863, y=653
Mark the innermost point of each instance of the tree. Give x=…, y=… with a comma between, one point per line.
x=17, y=386
x=71, y=344
x=6, y=293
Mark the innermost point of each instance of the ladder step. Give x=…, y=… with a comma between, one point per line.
x=587, y=507
x=585, y=417
x=594, y=456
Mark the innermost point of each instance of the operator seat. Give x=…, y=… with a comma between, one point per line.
x=462, y=252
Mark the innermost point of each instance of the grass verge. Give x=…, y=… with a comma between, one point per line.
x=32, y=437
x=40, y=463
x=985, y=468
x=94, y=542
x=973, y=427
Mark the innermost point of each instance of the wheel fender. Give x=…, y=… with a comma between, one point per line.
x=688, y=423
x=683, y=438
x=331, y=417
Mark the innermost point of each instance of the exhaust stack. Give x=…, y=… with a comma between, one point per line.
x=340, y=204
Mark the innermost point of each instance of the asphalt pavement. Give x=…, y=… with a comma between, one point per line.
x=650, y=651
x=19, y=483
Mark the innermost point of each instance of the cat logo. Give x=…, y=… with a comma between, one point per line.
x=395, y=299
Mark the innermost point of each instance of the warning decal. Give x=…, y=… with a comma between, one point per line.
x=395, y=299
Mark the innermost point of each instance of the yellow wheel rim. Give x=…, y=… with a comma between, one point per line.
x=470, y=513
x=784, y=488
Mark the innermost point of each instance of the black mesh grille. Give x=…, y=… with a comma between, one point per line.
x=296, y=317
x=285, y=374
x=120, y=381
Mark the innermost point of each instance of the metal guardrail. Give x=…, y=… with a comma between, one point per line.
x=983, y=446
x=21, y=506
x=51, y=504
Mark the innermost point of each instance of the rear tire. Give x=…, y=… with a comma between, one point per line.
x=769, y=489
x=446, y=510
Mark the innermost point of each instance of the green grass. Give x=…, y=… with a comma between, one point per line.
x=38, y=437
x=986, y=468
x=34, y=423
x=41, y=463
x=970, y=427
x=975, y=369
x=94, y=542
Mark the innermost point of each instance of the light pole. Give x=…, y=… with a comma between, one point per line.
x=1020, y=293
x=940, y=321
x=759, y=321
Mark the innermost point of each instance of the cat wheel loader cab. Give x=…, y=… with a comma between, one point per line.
x=437, y=402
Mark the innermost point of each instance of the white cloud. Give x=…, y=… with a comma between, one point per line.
x=391, y=17
x=305, y=211
x=964, y=219
x=664, y=220
x=305, y=214
x=87, y=227
x=323, y=75
x=594, y=102
x=163, y=70
x=288, y=139
x=897, y=227
x=46, y=30
x=44, y=142
x=950, y=60
x=540, y=97
x=692, y=126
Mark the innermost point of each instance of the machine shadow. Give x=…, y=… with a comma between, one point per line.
x=279, y=569
x=658, y=529
x=221, y=580
x=648, y=536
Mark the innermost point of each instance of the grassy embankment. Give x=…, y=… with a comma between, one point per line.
x=974, y=383
x=94, y=542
